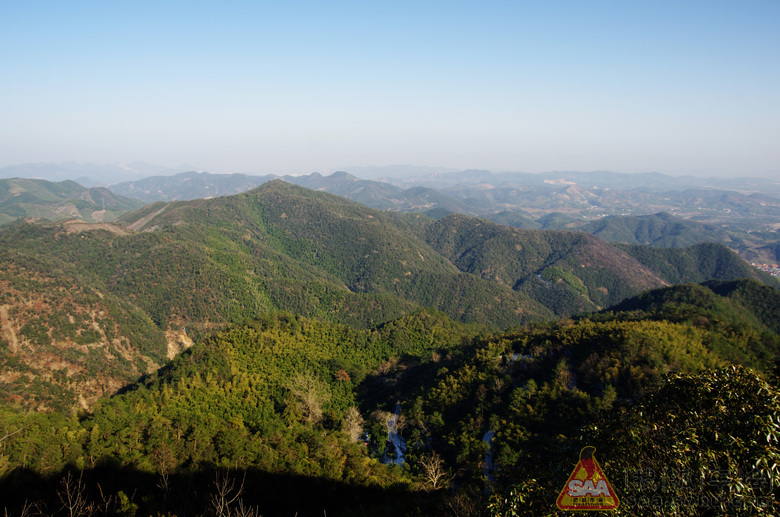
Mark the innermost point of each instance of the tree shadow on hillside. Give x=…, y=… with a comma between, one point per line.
x=113, y=490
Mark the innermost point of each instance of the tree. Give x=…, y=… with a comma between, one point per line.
x=353, y=424
x=73, y=496
x=310, y=394
x=225, y=498
x=704, y=443
x=435, y=473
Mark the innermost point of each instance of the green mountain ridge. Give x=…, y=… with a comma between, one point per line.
x=593, y=202
x=185, y=269
x=309, y=230
x=565, y=271
x=660, y=230
x=698, y=263
x=20, y=198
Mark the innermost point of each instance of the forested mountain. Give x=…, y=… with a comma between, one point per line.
x=119, y=299
x=732, y=300
x=565, y=271
x=666, y=231
x=188, y=185
x=368, y=265
x=254, y=416
x=411, y=356
x=699, y=263
x=42, y=199
x=760, y=299
x=662, y=230
x=633, y=209
x=66, y=340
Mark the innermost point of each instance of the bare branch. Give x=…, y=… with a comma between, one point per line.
x=435, y=472
x=8, y=435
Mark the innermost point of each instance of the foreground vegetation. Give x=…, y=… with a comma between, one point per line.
x=290, y=415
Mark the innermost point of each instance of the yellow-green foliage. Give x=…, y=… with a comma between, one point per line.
x=554, y=274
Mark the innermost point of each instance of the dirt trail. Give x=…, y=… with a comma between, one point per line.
x=142, y=222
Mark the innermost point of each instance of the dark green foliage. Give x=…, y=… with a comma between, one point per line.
x=703, y=444
x=760, y=299
x=661, y=230
x=697, y=263
x=536, y=388
x=739, y=312
x=564, y=271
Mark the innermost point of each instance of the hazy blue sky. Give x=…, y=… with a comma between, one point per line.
x=290, y=86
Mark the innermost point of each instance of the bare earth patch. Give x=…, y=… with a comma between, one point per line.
x=178, y=341
x=79, y=226
x=8, y=330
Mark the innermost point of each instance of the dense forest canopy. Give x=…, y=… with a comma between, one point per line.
x=286, y=399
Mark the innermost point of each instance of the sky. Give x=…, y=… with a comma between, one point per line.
x=679, y=87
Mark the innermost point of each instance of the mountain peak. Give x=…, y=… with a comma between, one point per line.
x=341, y=175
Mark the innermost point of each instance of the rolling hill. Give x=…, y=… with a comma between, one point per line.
x=565, y=271
x=698, y=263
x=187, y=186
x=20, y=198
x=662, y=230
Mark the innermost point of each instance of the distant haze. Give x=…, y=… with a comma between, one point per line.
x=295, y=87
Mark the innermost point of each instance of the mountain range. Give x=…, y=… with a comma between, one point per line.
x=89, y=174
x=629, y=211
x=483, y=192
x=121, y=298
x=383, y=362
